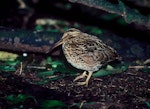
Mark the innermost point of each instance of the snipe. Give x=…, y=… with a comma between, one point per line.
x=85, y=52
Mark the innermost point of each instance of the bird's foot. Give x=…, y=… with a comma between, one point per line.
x=87, y=79
x=82, y=83
x=80, y=76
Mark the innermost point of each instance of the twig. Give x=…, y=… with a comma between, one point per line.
x=138, y=67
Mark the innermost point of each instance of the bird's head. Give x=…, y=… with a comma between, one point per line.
x=70, y=33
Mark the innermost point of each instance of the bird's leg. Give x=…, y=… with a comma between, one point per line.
x=87, y=80
x=81, y=76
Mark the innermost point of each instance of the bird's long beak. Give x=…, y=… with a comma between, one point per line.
x=56, y=45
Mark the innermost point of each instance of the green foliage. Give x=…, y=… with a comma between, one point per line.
x=114, y=16
x=13, y=63
x=7, y=68
x=148, y=104
x=110, y=70
x=146, y=70
x=52, y=104
x=68, y=6
x=121, y=21
x=16, y=99
x=129, y=15
x=109, y=16
x=58, y=66
x=54, y=66
x=38, y=28
x=45, y=73
x=94, y=30
x=7, y=56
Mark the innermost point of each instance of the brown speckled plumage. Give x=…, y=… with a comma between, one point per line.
x=85, y=52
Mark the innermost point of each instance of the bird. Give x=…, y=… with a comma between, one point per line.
x=85, y=52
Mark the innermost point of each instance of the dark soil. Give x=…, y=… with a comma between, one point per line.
x=127, y=90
